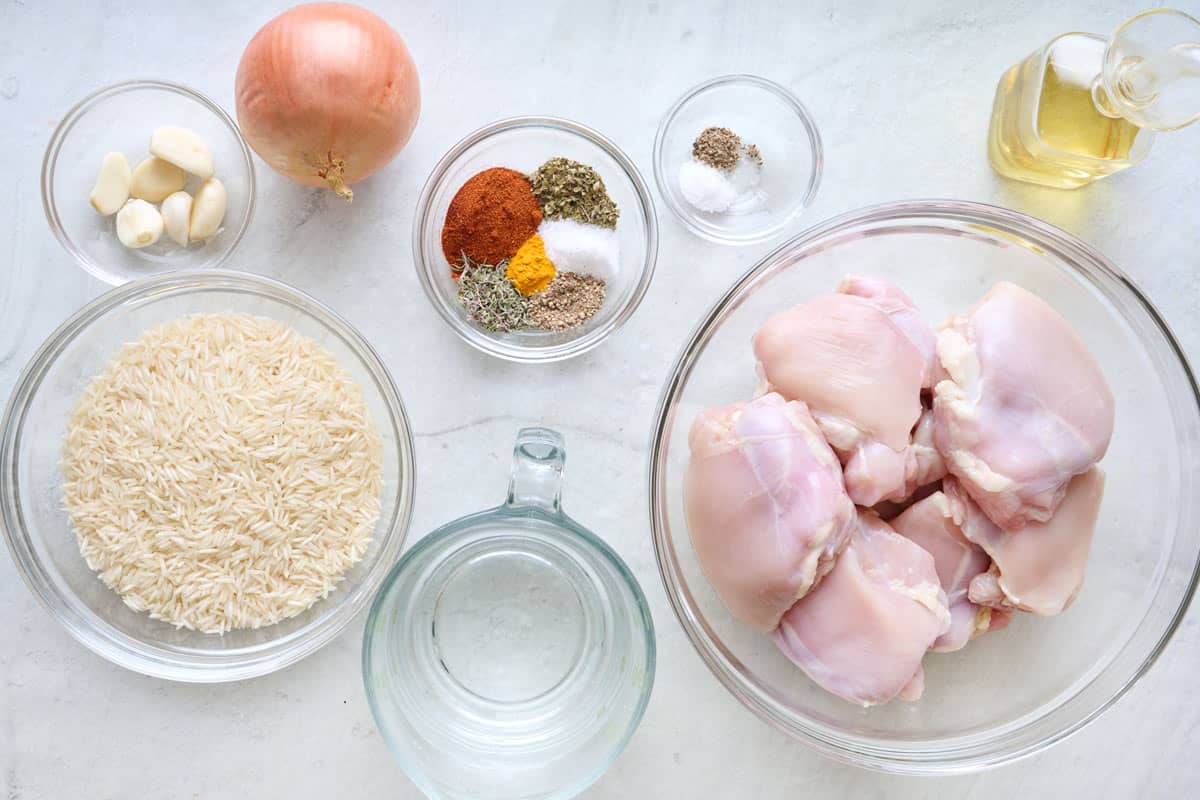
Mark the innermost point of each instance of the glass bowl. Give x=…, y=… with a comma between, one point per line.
x=39, y=534
x=763, y=113
x=510, y=654
x=524, y=143
x=1015, y=692
x=121, y=118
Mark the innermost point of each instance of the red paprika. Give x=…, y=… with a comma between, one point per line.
x=490, y=217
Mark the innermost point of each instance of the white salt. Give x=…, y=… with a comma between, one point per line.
x=586, y=249
x=745, y=179
x=707, y=188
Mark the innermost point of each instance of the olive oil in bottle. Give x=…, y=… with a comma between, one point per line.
x=1084, y=106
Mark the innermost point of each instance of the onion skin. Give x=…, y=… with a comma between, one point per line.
x=327, y=94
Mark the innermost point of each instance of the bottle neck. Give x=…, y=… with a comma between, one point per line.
x=1150, y=73
x=1113, y=105
x=1130, y=93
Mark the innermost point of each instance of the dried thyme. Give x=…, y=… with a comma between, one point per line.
x=567, y=189
x=490, y=297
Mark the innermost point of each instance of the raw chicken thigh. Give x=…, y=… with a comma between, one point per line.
x=1023, y=406
x=876, y=473
x=935, y=523
x=860, y=358
x=863, y=631
x=848, y=358
x=1040, y=567
x=765, y=504
x=994, y=489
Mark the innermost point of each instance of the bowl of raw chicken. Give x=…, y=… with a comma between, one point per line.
x=922, y=486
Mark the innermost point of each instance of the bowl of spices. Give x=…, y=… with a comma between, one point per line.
x=535, y=238
x=737, y=159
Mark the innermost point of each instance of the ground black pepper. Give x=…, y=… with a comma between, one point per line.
x=571, y=299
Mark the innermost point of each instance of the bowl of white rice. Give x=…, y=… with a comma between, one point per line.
x=205, y=476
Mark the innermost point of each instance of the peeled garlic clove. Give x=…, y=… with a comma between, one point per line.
x=154, y=179
x=112, y=185
x=183, y=148
x=208, y=209
x=176, y=213
x=139, y=224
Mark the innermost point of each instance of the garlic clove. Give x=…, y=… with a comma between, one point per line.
x=176, y=212
x=154, y=179
x=138, y=224
x=112, y=185
x=183, y=148
x=208, y=209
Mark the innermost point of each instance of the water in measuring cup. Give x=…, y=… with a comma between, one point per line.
x=509, y=623
x=510, y=659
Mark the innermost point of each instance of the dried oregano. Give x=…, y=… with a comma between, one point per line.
x=567, y=189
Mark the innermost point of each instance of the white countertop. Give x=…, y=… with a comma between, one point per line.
x=902, y=93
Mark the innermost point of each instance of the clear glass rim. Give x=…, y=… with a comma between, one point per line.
x=94, y=632
x=975, y=752
x=690, y=220
x=479, y=339
x=72, y=117
x=439, y=538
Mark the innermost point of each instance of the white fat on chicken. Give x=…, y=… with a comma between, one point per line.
x=1040, y=567
x=935, y=523
x=766, y=508
x=861, y=634
x=1020, y=406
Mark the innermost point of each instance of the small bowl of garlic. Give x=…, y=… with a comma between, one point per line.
x=147, y=176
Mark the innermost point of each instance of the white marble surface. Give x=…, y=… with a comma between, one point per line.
x=902, y=93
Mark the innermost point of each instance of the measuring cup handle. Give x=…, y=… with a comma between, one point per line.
x=536, y=477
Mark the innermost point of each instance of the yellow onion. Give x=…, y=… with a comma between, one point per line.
x=327, y=94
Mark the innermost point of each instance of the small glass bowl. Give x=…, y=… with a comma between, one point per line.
x=763, y=113
x=1013, y=693
x=524, y=143
x=121, y=118
x=510, y=654
x=39, y=533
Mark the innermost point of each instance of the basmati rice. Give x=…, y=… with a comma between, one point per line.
x=222, y=472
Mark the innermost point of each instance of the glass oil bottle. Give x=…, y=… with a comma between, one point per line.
x=1085, y=106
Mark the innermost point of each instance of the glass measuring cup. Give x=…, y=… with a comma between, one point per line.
x=510, y=654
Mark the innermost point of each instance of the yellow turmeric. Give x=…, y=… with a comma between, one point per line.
x=530, y=270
